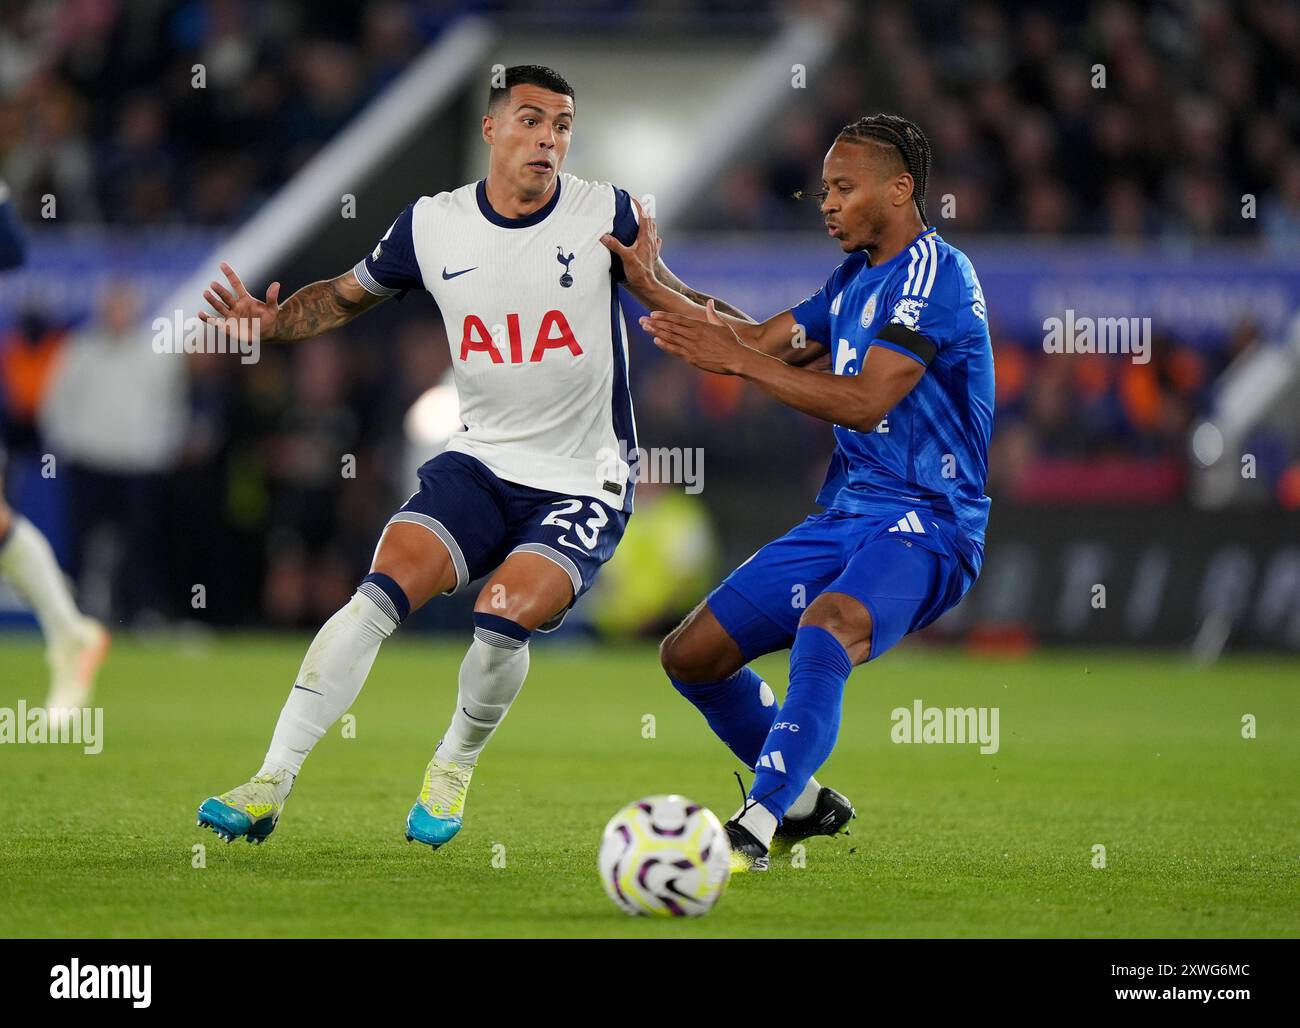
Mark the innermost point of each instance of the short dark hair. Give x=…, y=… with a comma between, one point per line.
x=529, y=75
x=904, y=136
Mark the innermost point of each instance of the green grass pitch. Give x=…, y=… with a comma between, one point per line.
x=1140, y=754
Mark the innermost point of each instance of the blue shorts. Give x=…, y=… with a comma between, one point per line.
x=905, y=577
x=483, y=519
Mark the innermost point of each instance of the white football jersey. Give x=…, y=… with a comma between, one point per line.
x=538, y=341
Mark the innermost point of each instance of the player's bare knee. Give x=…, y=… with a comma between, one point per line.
x=686, y=655
x=497, y=598
x=673, y=653
x=686, y=665
x=527, y=589
x=844, y=617
x=417, y=560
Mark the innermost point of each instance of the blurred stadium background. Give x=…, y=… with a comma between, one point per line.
x=1168, y=189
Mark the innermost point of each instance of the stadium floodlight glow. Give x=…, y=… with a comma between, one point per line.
x=647, y=148
x=1207, y=443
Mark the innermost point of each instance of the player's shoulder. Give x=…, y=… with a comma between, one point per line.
x=435, y=216
x=951, y=259
x=932, y=268
x=463, y=198
x=580, y=189
x=601, y=202
x=592, y=195
x=932, y=287
x=422, y=207
x=957, y=283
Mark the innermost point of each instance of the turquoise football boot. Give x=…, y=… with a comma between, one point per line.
x=249, y=811
x=436, y=816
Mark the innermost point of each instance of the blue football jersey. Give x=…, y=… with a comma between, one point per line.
x=931, y=451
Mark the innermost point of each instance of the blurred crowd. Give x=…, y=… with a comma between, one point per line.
x=1154, y=119
x=1116, y=118
x=237, y=476
x=1070, y=427
x=99, y=105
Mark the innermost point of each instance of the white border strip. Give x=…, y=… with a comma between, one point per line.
x=551, y=553
x=414, y=517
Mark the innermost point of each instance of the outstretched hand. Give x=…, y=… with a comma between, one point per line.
x=236, y=309
x=710, y=345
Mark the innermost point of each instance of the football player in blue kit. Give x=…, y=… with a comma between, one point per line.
x=900, y=539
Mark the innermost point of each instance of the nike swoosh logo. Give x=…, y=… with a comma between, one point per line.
x=480, y=720
x=447, y=277
x=305, y=689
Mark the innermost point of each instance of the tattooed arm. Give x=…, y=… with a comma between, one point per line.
x=322, y=306
x=674, y=283
x=313, y=309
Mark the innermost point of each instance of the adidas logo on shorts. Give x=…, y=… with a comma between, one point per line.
x=909, y=522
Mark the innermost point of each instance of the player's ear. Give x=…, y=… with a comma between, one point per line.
x=488, y=129
x=903, y=186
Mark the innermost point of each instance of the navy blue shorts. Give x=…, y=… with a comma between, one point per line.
x=483, y=519
x=903, y=567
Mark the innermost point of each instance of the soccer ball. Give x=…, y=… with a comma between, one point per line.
x=665, y=856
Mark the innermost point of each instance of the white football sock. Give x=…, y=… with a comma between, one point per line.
x=27, y=562
x=807, y=801
x=761, y=823
x=331, y=677
x=491, y=676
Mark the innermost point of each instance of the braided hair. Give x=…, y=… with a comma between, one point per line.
x=907, y=139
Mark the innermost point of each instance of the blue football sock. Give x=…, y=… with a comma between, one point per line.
x=739, y=709
x=804, y=735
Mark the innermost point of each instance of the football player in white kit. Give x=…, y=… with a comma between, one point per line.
x=532, y=489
